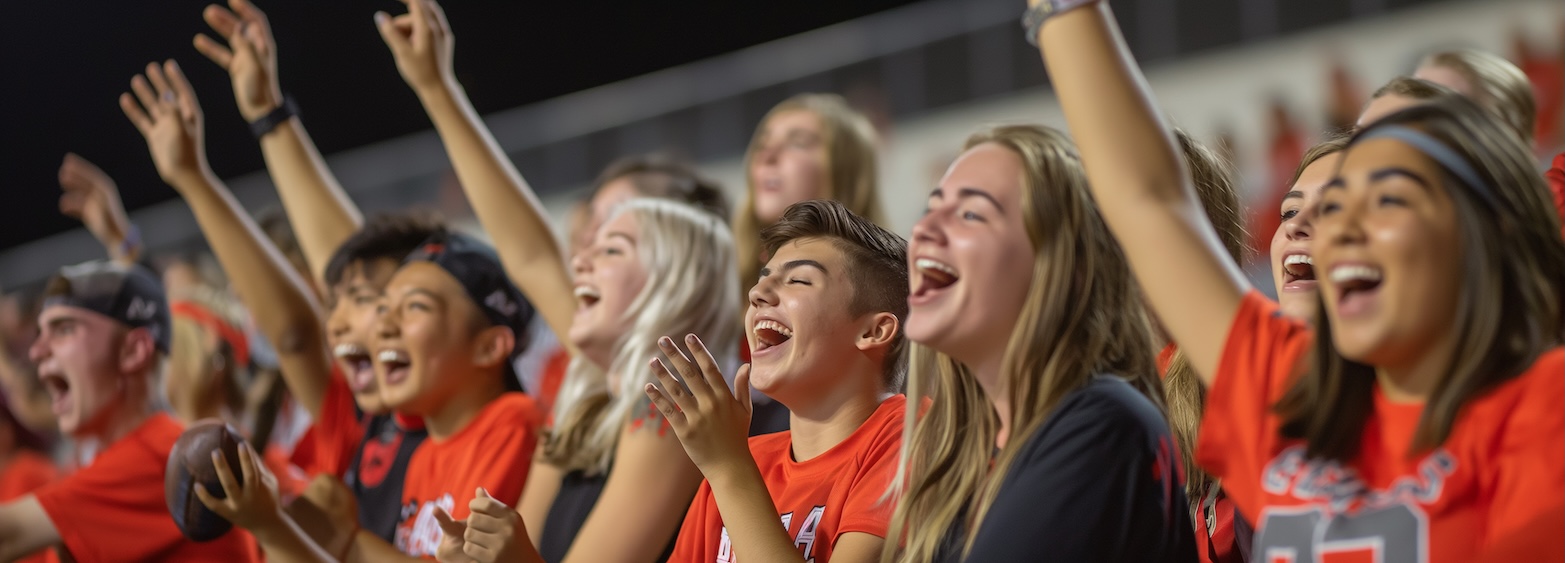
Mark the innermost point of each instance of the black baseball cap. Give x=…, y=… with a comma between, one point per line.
x=476, y=266
x=129, y=294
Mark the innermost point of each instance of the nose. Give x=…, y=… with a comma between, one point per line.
x=764, y=293
x=39, y=351
x=337, y=322
x=928, y=229
x=1301, y=226
x=1346, y=225
x=580, y=264
x=386, y=320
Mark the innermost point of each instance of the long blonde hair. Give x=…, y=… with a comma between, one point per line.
x=689, y=257
x=849, y=140
x=1083, y=316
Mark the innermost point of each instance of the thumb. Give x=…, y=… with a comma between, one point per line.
x=742, y=389
x=389, y=33
x=482, y=493
x=449, y=526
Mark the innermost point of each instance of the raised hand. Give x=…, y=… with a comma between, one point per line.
x=453, y=534
x=90, y=196
x=250, y=56
x=495, y=532
x=421, y=42
x=711, y=422
x=252, y=505
x=169, y=118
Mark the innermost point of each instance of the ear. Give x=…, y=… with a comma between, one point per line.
x=878, y=330
x=493, y=346
x=138, y=353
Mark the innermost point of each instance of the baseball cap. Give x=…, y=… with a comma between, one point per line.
x=476, y=266
x=129, y=294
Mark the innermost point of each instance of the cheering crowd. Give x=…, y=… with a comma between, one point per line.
x=1062, y=361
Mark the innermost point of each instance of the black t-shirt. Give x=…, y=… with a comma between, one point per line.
x=380, y=465
x=1098, y=481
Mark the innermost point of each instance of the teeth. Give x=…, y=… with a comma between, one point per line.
x=349, y=350
x=390, y=356
x=1342, y=274
x=774, y=326
x=583, y=291
x=1293, y=259
x=927, y=264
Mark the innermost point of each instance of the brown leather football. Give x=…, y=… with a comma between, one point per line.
x=189, y=463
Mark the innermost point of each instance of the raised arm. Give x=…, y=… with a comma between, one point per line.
x=320, y=211
x=421, y=42
x=282, y=306
x=1141, y=186
x=90, y=196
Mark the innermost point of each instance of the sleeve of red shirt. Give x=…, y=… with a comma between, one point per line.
x=328, y=445
x=867, y=509
x=504, y=454
x=1238, y=429
x=1529, y=479
x=96, y=509
x=693, y=533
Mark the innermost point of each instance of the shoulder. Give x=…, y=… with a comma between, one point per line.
x=1106, y=408
x=514, y=410
x=1528, y=405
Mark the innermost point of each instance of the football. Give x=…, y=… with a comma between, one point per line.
x=189, y=463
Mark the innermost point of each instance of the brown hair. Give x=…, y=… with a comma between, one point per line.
x=665, y=177
x=849, y=140
x=1213, y=177
x=876, y=262
x=1510, y=311
x=1415, y=88
x=1498, y=86
x=390, y=236
x=1083, y=316
x=1323, y=149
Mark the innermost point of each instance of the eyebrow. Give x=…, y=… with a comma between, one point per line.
x=1394, y=171
x=425, y=292
x=962, y=193
x=792, y=264
x=1294, y=194
x=628, y=239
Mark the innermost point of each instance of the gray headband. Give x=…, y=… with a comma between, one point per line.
x=1434, y=149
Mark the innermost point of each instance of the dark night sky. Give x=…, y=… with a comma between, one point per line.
x=66, y=61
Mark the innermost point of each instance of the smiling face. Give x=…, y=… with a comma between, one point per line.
x=798, y=324
x=351, y=327
x=425, y=339
x=970, y=257
x=1389, y=254
x=1293, y=266
x=608, y=277
x=79, y=359
x=787, y=163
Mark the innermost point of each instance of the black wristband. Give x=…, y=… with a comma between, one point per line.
x=272, y=119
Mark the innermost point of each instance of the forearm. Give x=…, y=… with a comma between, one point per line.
x=506, y=207
x=369, y=548
x=322, y=214
x=272, y=291
x=751, y=517
x=286, y=542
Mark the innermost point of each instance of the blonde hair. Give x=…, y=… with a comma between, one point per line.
x=1083, y=316
x=689, y=258
x=1498, y=86
x=849, y=140
x=193, y=349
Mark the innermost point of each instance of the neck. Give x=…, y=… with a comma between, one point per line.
x=455, y=414
x=831, y=415
x=120, y=421
x=987, y=373
x=1415, y=380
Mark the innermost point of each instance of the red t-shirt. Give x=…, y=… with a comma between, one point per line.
x=494, y=451
x=834, y=493
x=114, y=509
x=330, y=442
x=26, y=472
x=1502, y=467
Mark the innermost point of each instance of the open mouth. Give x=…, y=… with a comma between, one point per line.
x=1357, y=286
x=587, y=296
x=1298, y=272
x=356, y=362
x=933, y=276
x=395, y=363
x=59, y=391
x=771, y=184
x=770, y=334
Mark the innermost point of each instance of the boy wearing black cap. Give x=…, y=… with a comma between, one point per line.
x=104, y=331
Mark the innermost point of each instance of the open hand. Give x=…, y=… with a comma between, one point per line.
x=421, y=43
x=251, y=505
x=91, y=197
x=169, y=118
x=250, y=56
x=711, y=422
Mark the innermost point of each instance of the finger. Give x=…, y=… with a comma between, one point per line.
x=449, y=525
x=247, y=469
x=224, y=474
x=144, y=94
x=473, y=547
x=248, y=11
x=159, y=82
x=688, y=372
x=222, y=21
x=188, y=105
x=438, y=18
x=711, y=374
x=217, y=53
x=394, y=39
x=72, y=203
x=238, y=40
x=671, y=387
x=134, y=113
x=742, y=389
x=675, y=418
x=212, y=503
x=420, y=13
